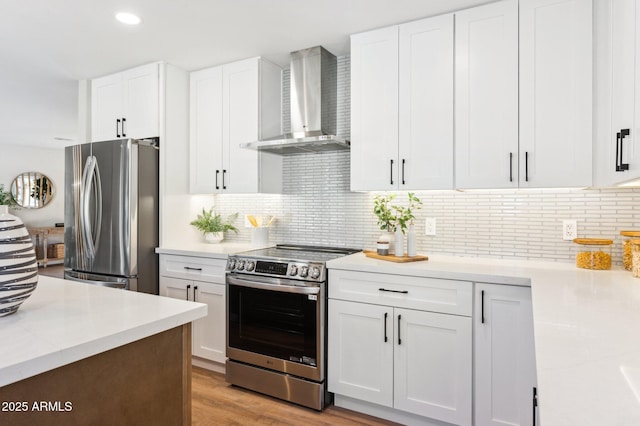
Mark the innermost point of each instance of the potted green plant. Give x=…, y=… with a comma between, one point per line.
x=213, y=225
x=6, y=199
x=395, y=218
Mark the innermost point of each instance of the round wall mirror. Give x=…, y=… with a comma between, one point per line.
x=32, y=190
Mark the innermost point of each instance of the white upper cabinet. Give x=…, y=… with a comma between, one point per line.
x=374, y=110
x=486, y=97
x=425, y=150
x=555, y=93
x=618, y=85
x=402, y=106
x=126, y=104
x=233, y=104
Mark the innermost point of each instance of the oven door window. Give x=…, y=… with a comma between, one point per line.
x=278, y=324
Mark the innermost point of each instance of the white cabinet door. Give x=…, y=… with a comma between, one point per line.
x=205, y=144
x=555, y=93
x=504, y=355
x=175, y=288
x=209, y=333
x=106, y=108
x=374, y=110
x=433, y=365
x=486, y=97
x=426, y=104
x=126, y=104
x=621, y=159
x=360, y=351
x=141, y=102
x=240, y=124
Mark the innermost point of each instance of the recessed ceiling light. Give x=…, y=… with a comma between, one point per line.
x=128, y=18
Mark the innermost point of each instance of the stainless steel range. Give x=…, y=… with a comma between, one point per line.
x=276, y=321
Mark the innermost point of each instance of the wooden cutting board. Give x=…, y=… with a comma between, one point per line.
x=392, y=258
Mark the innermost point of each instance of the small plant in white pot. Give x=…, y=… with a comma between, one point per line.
x=213, y=226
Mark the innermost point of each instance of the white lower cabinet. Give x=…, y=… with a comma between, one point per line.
x=504, y=363
x=410, y=360
x=197, y=281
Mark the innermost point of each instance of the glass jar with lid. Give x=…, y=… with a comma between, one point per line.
x=635, y=257
x=626, y=248
x=593, y=253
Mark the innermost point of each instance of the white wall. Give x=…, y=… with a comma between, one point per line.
x=16, y=159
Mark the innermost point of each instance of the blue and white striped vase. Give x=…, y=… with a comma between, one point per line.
x=18, y=264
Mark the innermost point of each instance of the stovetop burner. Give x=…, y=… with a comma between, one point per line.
x=300, y=252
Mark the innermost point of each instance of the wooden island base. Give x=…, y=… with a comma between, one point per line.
x=143, y=382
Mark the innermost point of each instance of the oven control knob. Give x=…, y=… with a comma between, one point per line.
x=315, y=272
x=232, y=264
x=240, y=265
x=304, y=271
x=251, y=266
x=293, y=270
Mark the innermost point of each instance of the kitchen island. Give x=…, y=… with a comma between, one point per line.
x=77, y=353
x=586, y=325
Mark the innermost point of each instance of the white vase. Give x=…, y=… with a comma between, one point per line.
x=18, y=262
x=213, y=237
x=399, y=243
x=411, y=241
x=389, y=237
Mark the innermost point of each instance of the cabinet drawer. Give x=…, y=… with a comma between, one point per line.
x=193, y=268
x=425, y=294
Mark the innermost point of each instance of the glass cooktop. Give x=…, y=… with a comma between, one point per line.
x=299, y=253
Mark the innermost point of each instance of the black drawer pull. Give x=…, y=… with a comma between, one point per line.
x=188, y=287
x=399, y=339
x=192, y=269
x=194, y=293
x=394, y=291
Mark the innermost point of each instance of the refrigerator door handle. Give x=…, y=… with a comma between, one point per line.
x=91, y=182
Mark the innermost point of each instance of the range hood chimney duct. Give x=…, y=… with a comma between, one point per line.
x=314, y=78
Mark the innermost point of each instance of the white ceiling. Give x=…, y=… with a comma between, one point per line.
x=46, y=46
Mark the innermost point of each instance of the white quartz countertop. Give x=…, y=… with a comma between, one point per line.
x=66, y=321
x=214, y=251
x=586, y=327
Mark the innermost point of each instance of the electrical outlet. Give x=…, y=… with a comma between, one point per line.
x=430, y=226
x=569, y=229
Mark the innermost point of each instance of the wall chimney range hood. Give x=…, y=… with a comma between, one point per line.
x=313, y=107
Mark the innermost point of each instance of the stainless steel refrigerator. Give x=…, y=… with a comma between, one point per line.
x=111, y=214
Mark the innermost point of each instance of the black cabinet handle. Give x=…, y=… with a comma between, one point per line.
x=192, y=269
x=511, y=167
x=399, y=339
x=394, y=291
x=194, y=293
x=620, y=166
x=482, y=306
x=224, y=186
x=188, y=287
x=391, y=171
x=526, y=166
x=403, y=171
x=385, y=326
x=217, y=173
x=118, y=128
x=124, y=120
x=535, y=404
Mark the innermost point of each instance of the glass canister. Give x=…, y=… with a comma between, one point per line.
x=593, y=253
x=626, y=248
x=635, y=257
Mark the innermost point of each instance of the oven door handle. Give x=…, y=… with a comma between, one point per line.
x=273, y=287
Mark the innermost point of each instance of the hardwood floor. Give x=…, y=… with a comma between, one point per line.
x=214, y=401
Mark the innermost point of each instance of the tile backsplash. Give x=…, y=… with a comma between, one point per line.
x=317, y=207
